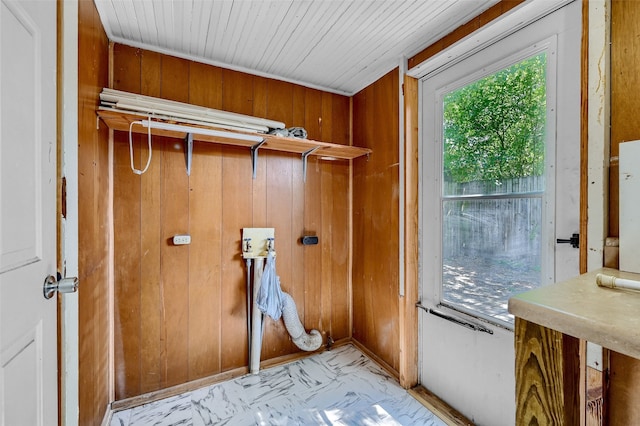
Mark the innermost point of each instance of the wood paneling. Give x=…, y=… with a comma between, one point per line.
x=237, y=213
x=205, y=226
x=340, y=222
x=174, y=263
x=625, y=83
x=339, y=253
x=181, y=310
x=205, y=85
x=127, y=258
x=151, y=292
x=150, y=71
x=147, y=205
x=174, y=208
x=620, y=406
x=326, y=212
x=93, y=222
x=464, y=30
x=376, y=228
x=174, y=83
x=237, y=92
x=274, y=99
x=408, y=312
x=126, y=72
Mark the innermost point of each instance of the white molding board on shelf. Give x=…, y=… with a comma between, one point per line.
x=116, y=99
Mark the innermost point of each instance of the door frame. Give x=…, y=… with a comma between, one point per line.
x=446, y=348
x=594, y=117
x=67, y=105
x=501, y=18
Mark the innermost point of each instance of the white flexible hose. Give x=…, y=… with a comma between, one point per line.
x=133, y=169
x=304, y=341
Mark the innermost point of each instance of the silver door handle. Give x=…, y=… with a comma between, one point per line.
x=64, y=285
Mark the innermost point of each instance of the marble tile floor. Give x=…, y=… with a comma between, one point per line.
x=337, y=387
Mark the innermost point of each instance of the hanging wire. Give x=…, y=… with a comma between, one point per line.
x=136, y=171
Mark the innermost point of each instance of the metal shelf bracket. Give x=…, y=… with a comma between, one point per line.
x=254, y=157
x=188, y=151
x=305, y=156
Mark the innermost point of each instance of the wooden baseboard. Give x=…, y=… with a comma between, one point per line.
x=438, y=407
x=135, y=401
x=106, y=419
x=381, y=363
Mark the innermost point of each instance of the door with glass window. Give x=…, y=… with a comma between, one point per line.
x=500, y=184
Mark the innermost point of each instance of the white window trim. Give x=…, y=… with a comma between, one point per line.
x=433, y=182
x=507, y=24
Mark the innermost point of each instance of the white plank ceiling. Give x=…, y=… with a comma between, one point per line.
x=339, y=46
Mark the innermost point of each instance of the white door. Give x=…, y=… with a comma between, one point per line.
x=28, y=152
x=493, y=209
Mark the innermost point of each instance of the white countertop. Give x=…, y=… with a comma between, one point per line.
x=579, y=308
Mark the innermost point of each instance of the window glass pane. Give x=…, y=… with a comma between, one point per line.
x=493, y=183
x=494, y=127
x=491, y=250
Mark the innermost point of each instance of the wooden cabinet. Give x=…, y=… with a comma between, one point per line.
x=550, y=322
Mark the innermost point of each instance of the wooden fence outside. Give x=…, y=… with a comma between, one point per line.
x=508, y=227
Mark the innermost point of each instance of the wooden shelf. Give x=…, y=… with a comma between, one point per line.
x=119, y=120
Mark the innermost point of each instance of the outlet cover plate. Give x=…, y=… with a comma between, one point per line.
x=182, y=239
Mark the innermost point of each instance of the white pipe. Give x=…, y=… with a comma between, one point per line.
x=199, y=131
x=610, y=281
x=256, y=319
x=304, y=341
x=177, y=116
x=135, y=101
x=249, y=305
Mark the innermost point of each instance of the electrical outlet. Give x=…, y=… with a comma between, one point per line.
x=179, y=240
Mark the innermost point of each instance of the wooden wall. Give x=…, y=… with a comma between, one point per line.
x=495, y=11
x=375, y=220
x=625, y=83
x=181, y=310
x=93, y=221
x=621, y=407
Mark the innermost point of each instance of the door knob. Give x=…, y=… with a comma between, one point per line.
x=64, y=285
x=574, y=241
